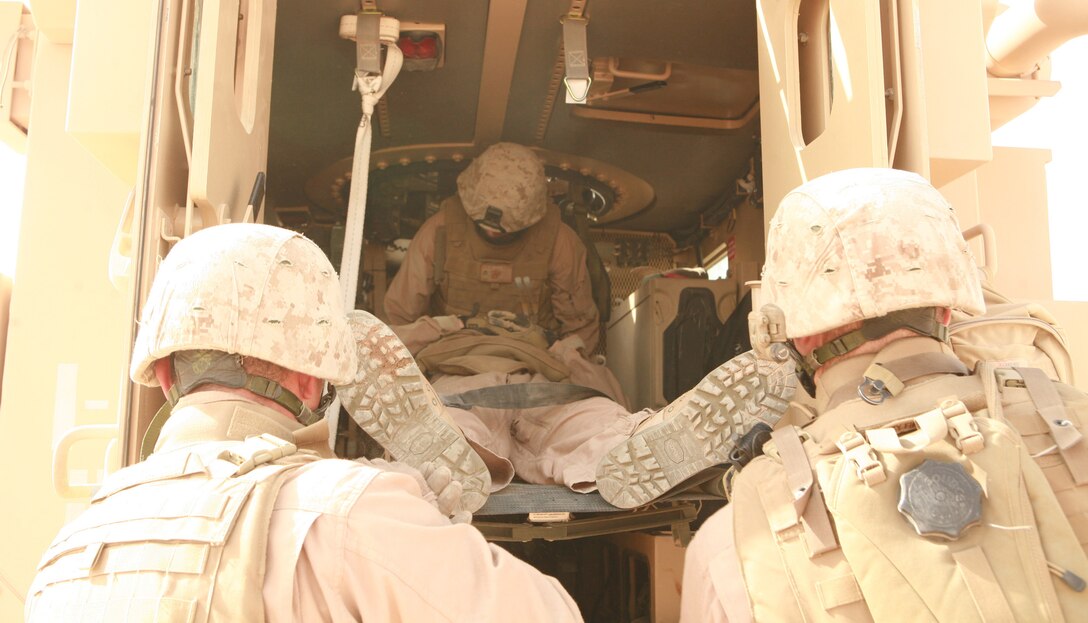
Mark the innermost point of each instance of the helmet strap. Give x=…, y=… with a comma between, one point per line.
x=921, y=320
x=194, y=368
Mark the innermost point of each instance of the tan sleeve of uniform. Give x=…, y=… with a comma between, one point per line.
x=714, y=589
x=416, y=335
x=394, y=557
x=572, y=292
x=409, y=295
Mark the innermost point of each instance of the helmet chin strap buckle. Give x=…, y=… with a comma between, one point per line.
x=308, y=417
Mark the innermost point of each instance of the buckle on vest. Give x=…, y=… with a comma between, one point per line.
x=860, y=453
x=962, y=426
x=256, y=451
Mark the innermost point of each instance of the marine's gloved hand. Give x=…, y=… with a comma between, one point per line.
x=480, y=325
x=436, y=484
x=570, y=345
x=507, y=320
x=448, y=324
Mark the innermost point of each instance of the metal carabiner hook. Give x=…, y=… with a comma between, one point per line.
x=873, y=391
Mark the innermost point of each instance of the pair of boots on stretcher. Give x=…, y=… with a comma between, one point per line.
x=396, y=405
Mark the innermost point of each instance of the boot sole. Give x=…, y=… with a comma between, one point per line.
x=400, y=410
x=700, y=432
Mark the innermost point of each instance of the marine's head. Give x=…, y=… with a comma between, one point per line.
x=504, y=191
x=868, y=251
x=232, y=304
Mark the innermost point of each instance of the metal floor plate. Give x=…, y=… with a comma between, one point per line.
x=523, y=498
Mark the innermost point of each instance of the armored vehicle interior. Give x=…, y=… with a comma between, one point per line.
x=653, y=169
x=664, y=147
x=666, y=129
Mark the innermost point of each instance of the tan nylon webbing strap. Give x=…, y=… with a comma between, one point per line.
x=368, y=47
x=879, y=372
x=975, y=570
x=277, y=393
x=987, y=373
x=798, y=470
x=931, y=427
x=922, y=321
x=154, y=429
x=808, y=501
x=819, y=534
x=914, y=366
x=1049, y=406
x=575, y=50
x=843, y=394
x=839, y=592
x=906, y=369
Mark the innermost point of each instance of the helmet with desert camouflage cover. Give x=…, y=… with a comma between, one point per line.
x=863, y=243
x=504, y=189
x=248, y=290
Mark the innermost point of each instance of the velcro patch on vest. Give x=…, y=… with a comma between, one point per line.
x=500, y=272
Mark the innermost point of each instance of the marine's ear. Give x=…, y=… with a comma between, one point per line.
x=164, y=374
x=310, y=389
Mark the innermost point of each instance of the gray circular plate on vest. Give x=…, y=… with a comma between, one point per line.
x=940, y=499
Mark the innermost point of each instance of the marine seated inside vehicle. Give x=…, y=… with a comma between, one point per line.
x=494, y=292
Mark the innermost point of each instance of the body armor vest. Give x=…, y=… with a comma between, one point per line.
x=181, y=536
x=927, y=507
x=473, y=276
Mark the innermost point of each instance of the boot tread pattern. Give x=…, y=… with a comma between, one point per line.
x=393, y=403
x=700, y=432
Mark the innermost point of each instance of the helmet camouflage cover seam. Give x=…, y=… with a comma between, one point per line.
x=249, y=289
x=861, y=243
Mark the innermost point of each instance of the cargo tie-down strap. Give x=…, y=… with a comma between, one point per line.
x=521, y=396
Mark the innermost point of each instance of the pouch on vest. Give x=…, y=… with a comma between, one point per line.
x=1050, y=417
x=1008, y=334
x=162, y=539
x=1023, y=334
x=1005, y=568
x=474, y=276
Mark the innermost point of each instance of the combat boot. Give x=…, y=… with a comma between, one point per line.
x=395, y=404
x=696, y=431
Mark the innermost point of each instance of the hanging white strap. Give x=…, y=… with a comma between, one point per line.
x=371, y=87
x=368, y=45
x=576, y=55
